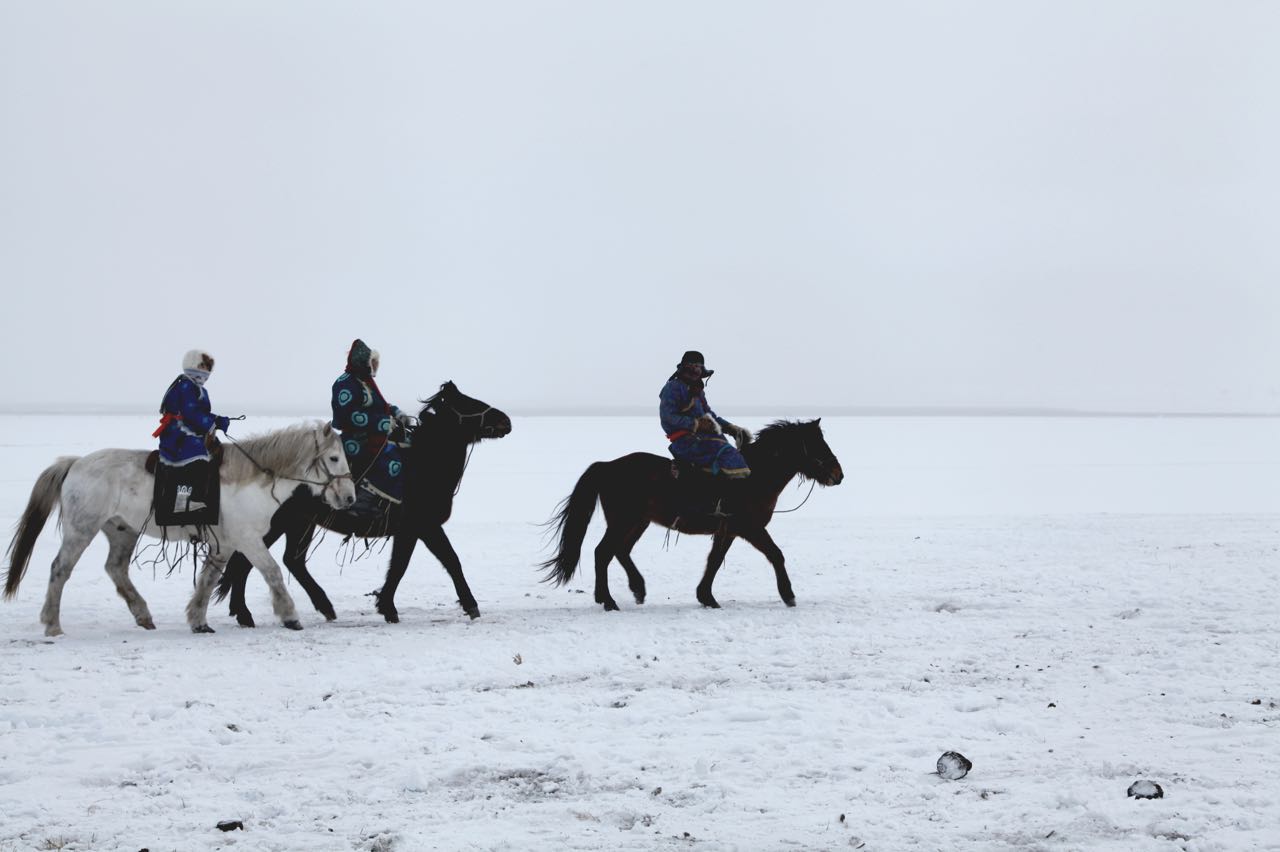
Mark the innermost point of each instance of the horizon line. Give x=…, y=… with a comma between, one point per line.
x=748, y=410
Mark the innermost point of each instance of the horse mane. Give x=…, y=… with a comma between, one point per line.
x=285, y=452
x=779, y=439
x=779, y=430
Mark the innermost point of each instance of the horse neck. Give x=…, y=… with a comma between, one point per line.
x=772, y=471
x=442, y=455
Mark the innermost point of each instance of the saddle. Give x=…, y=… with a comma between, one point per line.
x=699, y=492
x=188, y=495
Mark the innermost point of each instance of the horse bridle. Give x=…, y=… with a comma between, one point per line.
x=439, y=399
x=320, y=464
x=824, y=465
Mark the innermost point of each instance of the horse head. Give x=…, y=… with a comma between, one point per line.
x=801, y=446
x=334, y=483
x=475, y=419
x=821, y=463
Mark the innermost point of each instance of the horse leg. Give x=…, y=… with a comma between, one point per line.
x=295, y=559
x=261, y=557
x=605, y=551
x=73, y=545
x=238, y=570
x=438, y=543
x=198, y=606
x=763, y=542
x=122, y=541
x=719, y=547
x=401, y=549
x=634, y=578
x=281, y=600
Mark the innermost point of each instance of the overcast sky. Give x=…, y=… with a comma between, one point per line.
x=1038, y=204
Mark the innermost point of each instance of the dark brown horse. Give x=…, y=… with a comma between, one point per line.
x=639, y=489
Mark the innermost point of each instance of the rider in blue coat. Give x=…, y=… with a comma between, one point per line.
x=186, y=415
x=186, y=483
x=695, y=431
x=366, y=421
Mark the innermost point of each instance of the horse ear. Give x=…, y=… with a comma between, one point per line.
x=328, y=429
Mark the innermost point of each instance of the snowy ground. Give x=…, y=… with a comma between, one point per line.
x=1073, y=604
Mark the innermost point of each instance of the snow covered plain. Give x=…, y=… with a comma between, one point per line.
x=1074, y=604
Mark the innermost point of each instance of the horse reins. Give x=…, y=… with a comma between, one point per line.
x=812, y=483
x=804, y=447
x=316, y=463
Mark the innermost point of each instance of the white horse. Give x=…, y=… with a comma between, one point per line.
x=111, y=491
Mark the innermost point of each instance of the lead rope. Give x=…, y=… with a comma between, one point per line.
x=812, y=483
x=463, y=472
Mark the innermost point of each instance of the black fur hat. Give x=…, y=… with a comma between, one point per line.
x=695, y=357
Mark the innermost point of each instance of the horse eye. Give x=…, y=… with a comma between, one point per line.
x=333, y=458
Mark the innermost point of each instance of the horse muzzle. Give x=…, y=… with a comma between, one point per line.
x=501, y=429
x=341, y=494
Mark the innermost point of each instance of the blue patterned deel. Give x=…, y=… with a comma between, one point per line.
x=365, y=420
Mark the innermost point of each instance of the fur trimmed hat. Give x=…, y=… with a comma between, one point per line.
x=198, y=359
x=359, y=358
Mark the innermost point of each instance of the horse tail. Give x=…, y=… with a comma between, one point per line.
x=570, y=522
x=47, y=491
x=223, y=588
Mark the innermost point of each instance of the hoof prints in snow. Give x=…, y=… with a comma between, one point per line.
x=519, y=784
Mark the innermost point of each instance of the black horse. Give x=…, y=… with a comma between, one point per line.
x=640, y=488
x=449, y=424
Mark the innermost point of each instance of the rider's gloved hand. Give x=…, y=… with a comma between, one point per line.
x=223, y=423
x=706, y=423
x=741, y=436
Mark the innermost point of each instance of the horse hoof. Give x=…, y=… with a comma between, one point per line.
x=147, y=624
x=789, y=601
x=293, y=625
x=392, y=617
x=708, y=602
x=474, y=612
x=53, y=631
x=329, y=615
x=245, y=621
x=611, y=606
x=202, y=628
